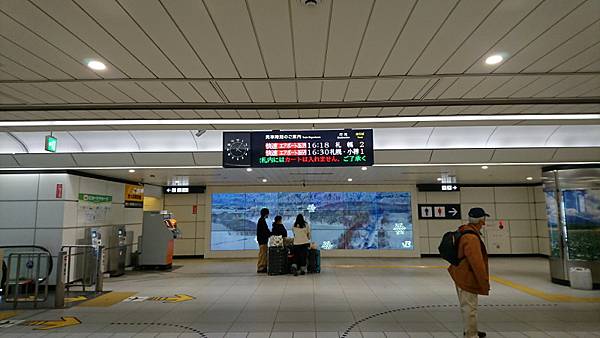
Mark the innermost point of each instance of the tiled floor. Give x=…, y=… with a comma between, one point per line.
x=232, y=301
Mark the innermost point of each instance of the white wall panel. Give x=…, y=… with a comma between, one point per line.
x=50, y=214
x=455, y=137
x=48, y=182
x=521, y=228
x=17, y=237
x=521, y=245
x=184, y=247
x=511, y=195
x=19, y=214
x=200, y=246
x=18, y=187
x=132, y=216
x=512, y=211
x=183, y=199
x=477, y=194
x=188, y=229
x=70, y=214
x=443, y=197
x=92, y=186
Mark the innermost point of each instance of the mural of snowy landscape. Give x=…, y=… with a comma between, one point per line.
x=339, y=220
x=582, y=215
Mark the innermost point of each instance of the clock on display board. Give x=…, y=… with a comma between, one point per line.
x=236, y=149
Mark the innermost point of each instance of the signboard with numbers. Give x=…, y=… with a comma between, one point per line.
x=444, y=187
x=439, y=211
x=313, y=148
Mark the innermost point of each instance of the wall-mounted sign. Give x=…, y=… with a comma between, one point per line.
x=312, y=148
x=184, y=189
x=445, y=187
x=134, y=196
x=51, y=143
x=439, y=211
x=59, y=190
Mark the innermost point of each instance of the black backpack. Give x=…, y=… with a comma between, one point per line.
x=449, y=246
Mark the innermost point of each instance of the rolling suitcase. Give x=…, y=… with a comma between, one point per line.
x=277, y=261
x=314, y=261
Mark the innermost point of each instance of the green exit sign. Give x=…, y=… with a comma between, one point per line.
x=51, y=143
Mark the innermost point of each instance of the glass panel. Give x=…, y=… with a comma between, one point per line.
x=552, y=214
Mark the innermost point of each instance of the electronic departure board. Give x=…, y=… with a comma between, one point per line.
x=311, y=148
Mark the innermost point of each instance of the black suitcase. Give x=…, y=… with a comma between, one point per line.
x=314, y=261
x=277, y=261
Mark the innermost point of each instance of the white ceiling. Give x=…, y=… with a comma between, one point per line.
x=264, y=51
x=332, y=176
x=173, y=141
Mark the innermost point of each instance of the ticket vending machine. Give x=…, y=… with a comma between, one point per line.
x=117, y=251
x=159, y=232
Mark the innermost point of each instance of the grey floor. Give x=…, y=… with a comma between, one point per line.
x=232, y=301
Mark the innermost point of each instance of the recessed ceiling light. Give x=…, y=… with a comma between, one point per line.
x=494, y=59
x=131, y=170
x=248, y=169
x=484, y=167
x=264, y=180
x=363, y=168
x=349, y=179
x=439, y=179
x=529, y=178
x=96, y=65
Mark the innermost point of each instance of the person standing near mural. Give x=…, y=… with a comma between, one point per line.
x=471, y=275
x=262, y=237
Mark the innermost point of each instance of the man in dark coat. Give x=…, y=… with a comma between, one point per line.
x=262, y=236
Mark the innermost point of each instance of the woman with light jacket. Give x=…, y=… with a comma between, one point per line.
x=301, y=244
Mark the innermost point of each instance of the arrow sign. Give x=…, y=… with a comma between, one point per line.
x=52, y=324
x=453, y=212
x=176, y=299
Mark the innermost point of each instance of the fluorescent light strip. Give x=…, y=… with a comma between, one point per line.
x=397, y=119
x=375, y=165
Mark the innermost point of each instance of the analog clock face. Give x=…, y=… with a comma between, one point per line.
x=237, y=149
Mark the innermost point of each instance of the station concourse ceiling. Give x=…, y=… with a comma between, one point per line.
x=212, y=64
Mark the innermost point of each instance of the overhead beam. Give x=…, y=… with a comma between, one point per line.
x=311, y=78
x=298, y=105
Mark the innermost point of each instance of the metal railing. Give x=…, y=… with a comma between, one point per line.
x=84, y=266
x=25, y=276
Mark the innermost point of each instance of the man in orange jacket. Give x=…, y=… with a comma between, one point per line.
x=471, y=276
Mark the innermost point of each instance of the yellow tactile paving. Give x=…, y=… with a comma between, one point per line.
x=7, y=314
x=551, y=297
x=108, y=299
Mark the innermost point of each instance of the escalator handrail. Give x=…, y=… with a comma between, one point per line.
x=50, y=263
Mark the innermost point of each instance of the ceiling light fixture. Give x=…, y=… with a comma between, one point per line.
x=261, y=122
x=363, y=168
x=264, y=180
x=484, y=167
x=96, y=65
x=529, y=178
x=494, y=59
x=248, y=169
x=131, y=170
x=439, y=179
x=349, y=179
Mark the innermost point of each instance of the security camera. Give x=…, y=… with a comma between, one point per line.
x=310, y=3
x=200, y=132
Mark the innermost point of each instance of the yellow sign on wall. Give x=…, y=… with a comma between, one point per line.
x=134, y=196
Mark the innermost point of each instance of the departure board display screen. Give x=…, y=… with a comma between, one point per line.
x=313, y=148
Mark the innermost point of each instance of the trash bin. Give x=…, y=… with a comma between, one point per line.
x=581, y=278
